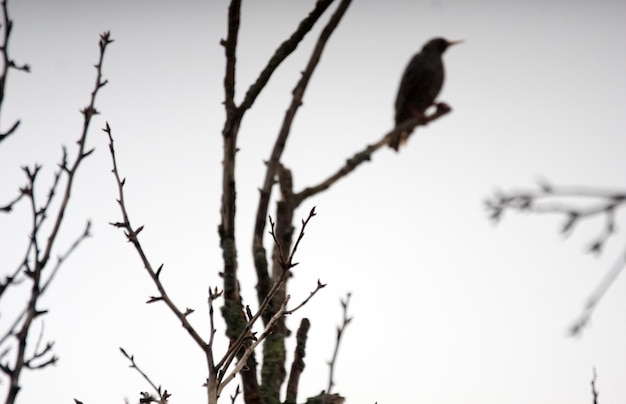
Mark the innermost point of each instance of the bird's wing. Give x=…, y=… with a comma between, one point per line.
x=420, y=85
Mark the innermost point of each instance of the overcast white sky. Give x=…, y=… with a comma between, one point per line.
x=448, y=308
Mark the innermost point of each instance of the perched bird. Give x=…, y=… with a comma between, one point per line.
x=421, y=83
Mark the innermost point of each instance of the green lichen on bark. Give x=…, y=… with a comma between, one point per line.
x=273, y=373
x=232, y=309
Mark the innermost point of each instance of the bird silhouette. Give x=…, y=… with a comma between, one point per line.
x=420, y=85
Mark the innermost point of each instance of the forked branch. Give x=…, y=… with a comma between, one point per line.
x=40, y=247
x=576, y=204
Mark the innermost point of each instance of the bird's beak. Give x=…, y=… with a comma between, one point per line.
x=450, y=43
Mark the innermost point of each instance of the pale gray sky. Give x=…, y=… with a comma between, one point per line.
x=448, y=308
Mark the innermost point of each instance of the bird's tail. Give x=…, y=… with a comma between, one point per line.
x=399, y=139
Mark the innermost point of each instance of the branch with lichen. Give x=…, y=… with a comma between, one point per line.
x=241, y=347
x=287, y=263
x=233, y=310
x=575, y=204
x=273, y=372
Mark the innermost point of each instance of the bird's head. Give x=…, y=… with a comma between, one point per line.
x=438, y=45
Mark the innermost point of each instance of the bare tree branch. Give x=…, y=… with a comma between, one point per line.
x=297, y=366
x=9, y=206
x=39, y=251
x=283, y=51
x=131, y=234
x=245, y=334
x=146, y=397
x=340, y=330
x=598, y=294
x=366, y=154
x=7, y=63
x=594, y=392
x=273, y=372
x=575, y=204
x=232, y=311
x=258, y=251
x=319, y=286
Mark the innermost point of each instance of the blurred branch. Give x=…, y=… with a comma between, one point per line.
x=283, y=51
x=63, y=257
x=258, y=250
x=9, y=206
x=318, y=287
x=366, y=154
x=594, y=392
x=340, y=331
x=232, y=310
x=274, y=352
x=7, y=63
x=233, y=398
x=297, y=366
x=39, y=251
x=575, y=204
x=598, y=294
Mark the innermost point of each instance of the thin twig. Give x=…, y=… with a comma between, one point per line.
x=63, y=257
x=163, y=396
x=213, y=295
x=233, y=398
x=594, y=392
x=132, y=236
x=251, y=347
x=7, y=63
x=340, y=331
x=235, y=346
x=8, y=207
x=575, y=204
x=319, y=286
x=598, y=294
x=40, y=250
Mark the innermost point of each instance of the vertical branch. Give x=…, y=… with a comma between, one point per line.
x=273, y=372
x=286, y=48
x=340, y=331
x=227, y=226
x=594, y=392
x=297, y=366
x=274, y=354
x=280, y=143
x=232, y=310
